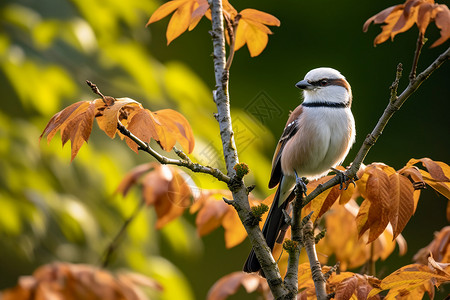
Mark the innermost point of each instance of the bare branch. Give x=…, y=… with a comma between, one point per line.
x=420, y=42
x=115, y=242
x=316, y=269
x=183, y=162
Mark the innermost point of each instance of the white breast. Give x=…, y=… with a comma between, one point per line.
x=323, y=140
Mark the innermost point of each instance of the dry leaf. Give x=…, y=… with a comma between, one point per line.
x=400, y=18
x=78, y=281
x=439, y=248
x=411, y=279
x=229, y=285
x=163, y=187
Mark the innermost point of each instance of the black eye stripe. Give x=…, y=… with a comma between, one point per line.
x=338, y=82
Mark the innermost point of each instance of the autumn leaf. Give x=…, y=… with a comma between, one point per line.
x=401, y=202
x=342, y=239
x=213, y=212
x=400, y=18
x=163, y=187
x=74, y=122
x=78, y=281
x=109, y=115
x=410, y=279
x=252, y=30
x=439, y=248
x=229, y=285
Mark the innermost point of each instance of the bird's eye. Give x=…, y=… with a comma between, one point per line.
x=323, y=82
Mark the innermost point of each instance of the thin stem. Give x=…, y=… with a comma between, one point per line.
x=118, y=238
x=232, y=33
x=419, y=45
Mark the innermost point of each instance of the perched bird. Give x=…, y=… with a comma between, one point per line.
x=317, y=137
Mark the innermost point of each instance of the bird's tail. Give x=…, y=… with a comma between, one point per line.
x=271, y=230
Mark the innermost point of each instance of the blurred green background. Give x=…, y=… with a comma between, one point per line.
x=51, y=209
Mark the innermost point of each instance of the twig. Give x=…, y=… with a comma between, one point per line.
x=419, y=45
x=316, y=269
x=371, y=138
x=232, y=34
x=115, y=242
x=183, y=162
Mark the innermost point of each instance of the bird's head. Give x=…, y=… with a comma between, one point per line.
x=325, y=84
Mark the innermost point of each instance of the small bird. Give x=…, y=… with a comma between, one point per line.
x=317, y=137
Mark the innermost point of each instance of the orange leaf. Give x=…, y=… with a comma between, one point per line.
x=174, y=125
x=436, y=169
x=181, y=19
x=75, y=123
x=401, y=202
x=409, y=278
x=402, y=17
x=442, y=19
x=439, y=248
x=229, y=285
x=132, y=177
x=346, y=288
x=143, y=125
x=252, y=30
x=110, y=114
x=378, y=194
x=234, y=230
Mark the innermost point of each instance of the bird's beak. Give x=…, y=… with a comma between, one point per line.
x=304, y=85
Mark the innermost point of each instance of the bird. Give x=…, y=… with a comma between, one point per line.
x=317, y=137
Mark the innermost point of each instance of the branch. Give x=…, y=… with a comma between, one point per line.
x=316, y=269
x=183, y=162
x=392, y=107
x=115, y=242
x=291, y=277
x=236, y=185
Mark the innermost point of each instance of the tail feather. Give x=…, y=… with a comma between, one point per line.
x=271, y=229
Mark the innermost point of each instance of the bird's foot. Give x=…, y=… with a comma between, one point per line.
x=344, y=179
x=300, y=185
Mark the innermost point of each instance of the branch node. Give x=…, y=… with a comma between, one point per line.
x=333, y=269
x=320, y=235
x=250, y=188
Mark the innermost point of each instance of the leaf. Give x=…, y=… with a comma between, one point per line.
x=442, y=19
x=378, y=186
x=75, y=123
x=400, y=18
x=409, y=278
x=213, y=212
x=110, y=114
x=346, y=288
x=78, y=281
x=186, y=16
x=163, y=187
x=229, y=285
x=401, y=202
x=175, y=125
x=439, y=248
x=252, y=30
x=436, y=169
x=143, y=125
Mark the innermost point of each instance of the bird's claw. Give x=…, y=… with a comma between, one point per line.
x=300, y=185
x=343, y=178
